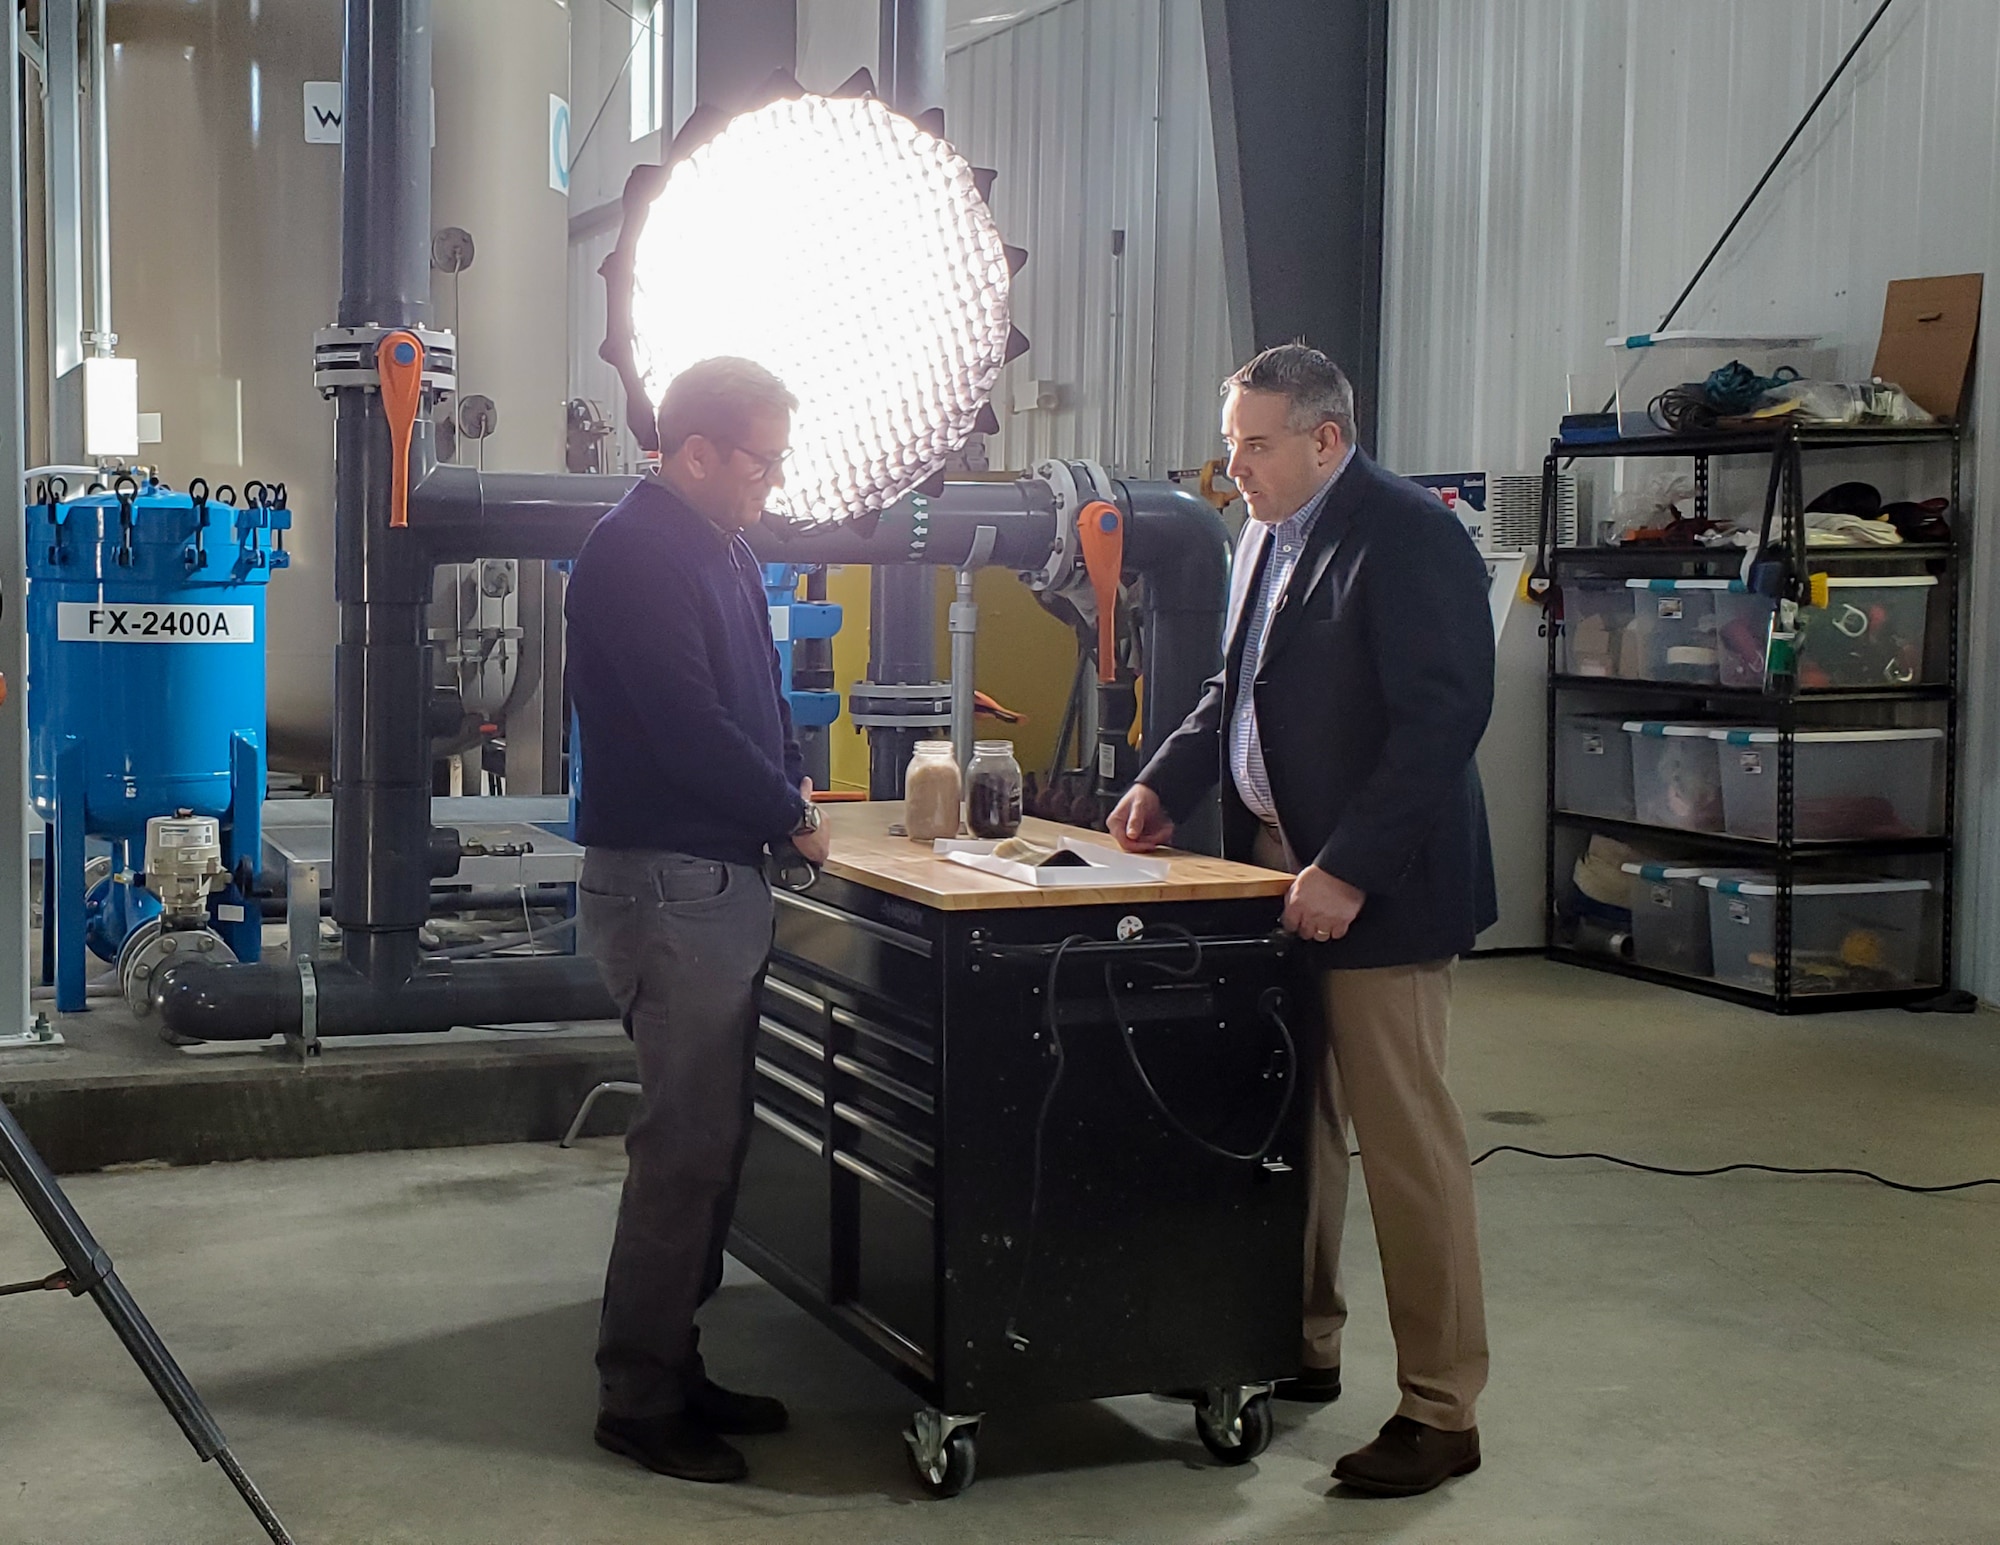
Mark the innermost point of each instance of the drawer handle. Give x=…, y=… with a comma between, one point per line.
x=916, y=944
x=875, y=1127
x=915, y=1050
x=895, y=1088
x=793, y=995
x=790, y=1130
x=791, y=1081
x=792, y=1038
x=913, y=1200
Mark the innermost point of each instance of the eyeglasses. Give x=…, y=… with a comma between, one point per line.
x=769, y=463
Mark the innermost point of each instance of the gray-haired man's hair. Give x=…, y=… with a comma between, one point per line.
x=1313, y=386
x=718, y=398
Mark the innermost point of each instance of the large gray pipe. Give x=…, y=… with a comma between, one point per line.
x=902, y=618
x=256, y=1002
x=385, y=852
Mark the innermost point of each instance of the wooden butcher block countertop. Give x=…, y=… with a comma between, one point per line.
x=866, y=854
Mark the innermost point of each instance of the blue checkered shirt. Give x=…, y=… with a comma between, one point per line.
x=1286, y=544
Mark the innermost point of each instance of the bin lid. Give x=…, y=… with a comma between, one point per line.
x=1665, y=871
x=1668, y=586
x=1767, y=885
x=1838, y=737
x=1879, y=581
x=1660, y=731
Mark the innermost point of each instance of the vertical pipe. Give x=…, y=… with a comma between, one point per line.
x=103, y=341
x=62, y=133
x=13, y=564
x=385, y=165
x=382, y=577
x=964, y=643
x=902, y=621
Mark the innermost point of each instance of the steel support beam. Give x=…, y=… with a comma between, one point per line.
x=13, y=572
x=1299, y=90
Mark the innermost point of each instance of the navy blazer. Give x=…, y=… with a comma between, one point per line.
x=1373, y=692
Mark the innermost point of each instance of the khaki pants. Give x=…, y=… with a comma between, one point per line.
x=1382, y=1074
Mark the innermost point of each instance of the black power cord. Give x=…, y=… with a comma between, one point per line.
x=1270, y=1004
x=1015, y=1339
x=1725, y=1169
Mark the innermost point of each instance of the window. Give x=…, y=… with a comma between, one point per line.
x=650, y=85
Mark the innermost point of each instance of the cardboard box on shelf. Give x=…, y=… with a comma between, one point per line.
x=1930, y=328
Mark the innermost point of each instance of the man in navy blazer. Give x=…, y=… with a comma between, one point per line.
x=1357, y=682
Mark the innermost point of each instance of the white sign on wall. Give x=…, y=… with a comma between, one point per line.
x=324, y=105
x=323, y=108
x=558, y=144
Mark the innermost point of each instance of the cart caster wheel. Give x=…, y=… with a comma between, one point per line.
x=944, y=1452
x=1240, y=1439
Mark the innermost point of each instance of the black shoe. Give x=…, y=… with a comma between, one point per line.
x=1408, y=1459
x=1313, y=1386
x=672, y=1445
x=723, y=1410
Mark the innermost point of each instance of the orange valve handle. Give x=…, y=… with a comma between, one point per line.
x=399, y=362
x=1211, y=473
x=1102, y=528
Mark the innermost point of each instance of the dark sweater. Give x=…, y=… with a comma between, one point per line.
x=687, y=741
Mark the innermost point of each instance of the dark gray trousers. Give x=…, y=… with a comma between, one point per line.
x=681, y=943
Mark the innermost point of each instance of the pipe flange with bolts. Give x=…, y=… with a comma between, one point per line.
x=345, y=356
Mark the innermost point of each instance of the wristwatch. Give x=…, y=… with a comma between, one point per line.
x=809, y=822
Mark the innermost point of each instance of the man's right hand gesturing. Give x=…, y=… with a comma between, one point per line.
x=1140, y=822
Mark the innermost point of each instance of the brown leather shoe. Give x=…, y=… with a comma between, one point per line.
x=1407, y=1459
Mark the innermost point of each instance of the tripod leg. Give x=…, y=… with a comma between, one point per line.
x=89, y=1270
x=247, y=1490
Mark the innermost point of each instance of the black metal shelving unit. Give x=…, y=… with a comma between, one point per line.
x=1778, y=704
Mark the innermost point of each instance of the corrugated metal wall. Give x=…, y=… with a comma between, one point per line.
x=1095, y=113
x=1557, y=169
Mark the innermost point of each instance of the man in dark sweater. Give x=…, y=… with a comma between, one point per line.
x=689, y=775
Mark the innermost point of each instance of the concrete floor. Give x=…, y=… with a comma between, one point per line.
x=399, y=1344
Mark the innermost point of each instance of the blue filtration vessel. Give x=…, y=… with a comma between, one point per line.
x=145, y=697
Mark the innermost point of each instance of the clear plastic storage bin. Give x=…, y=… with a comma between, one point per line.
x=1674, y=620
x=1857, y=935
x=1845, y=783
x=1872, y=631
x=1676, y=777
x=1670, y=927
x=1742, y=637
x=1597, y=622
x=1649, y=363
x=1594, y=765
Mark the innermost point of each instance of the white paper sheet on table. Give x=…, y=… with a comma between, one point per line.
x=1106, y=866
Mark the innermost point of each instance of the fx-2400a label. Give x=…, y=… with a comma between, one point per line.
x=107, y=622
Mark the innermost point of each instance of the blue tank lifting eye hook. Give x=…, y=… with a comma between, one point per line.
x=281, y=521
x=197, y=556
x=53, y=491
x=256, y=501
x=126, y=489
